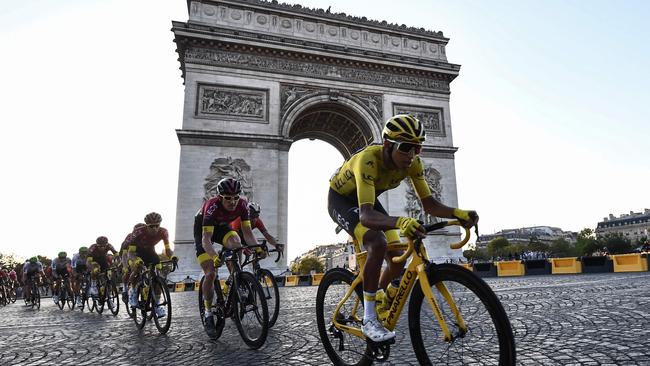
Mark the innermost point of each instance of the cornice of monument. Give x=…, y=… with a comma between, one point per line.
x=231, y=139
x=297, y=9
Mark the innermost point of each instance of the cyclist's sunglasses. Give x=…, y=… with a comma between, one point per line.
x=406, y=147
x=231, y=198
x=153, y=226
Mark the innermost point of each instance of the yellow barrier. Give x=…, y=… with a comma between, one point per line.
x=467, y=266
x=630, y=263
x=565, y=265
x=291, y=281
x=197, y=285
x=510, y=268
x=222, y=282
x=316, y=278
x=179, y=287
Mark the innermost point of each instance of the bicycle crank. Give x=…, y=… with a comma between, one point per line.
x=379, y=351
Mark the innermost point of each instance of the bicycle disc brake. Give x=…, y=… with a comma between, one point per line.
x=379, y=351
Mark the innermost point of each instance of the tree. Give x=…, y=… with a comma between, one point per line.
x=587, y=243
x=45, y=261
x=496, y=247
x=9, y=260
x=307, y=264
x=617, y=244
x=538, y=246
x=562, y=248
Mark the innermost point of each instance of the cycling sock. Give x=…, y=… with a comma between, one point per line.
x=208, y=307
x=369, y=305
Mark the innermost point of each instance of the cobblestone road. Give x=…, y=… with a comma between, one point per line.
x=566, y=320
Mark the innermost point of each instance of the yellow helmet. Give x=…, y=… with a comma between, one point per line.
x=404, y=128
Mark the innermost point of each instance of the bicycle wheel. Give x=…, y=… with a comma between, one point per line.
x=13, y=295
x=342, y=348
x=251, y=314
x=61, y=302
x=140, y=311
x=129, y=309
x=113, y=298
x=70, y=299
x=165, y=302
x=488, y=340
x=271, y=293
x=37, y=300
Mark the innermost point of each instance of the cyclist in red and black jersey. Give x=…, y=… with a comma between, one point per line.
x=141, y=244
x=124, y=256
x=97, y=260
x=256, y=223
x=212, y=225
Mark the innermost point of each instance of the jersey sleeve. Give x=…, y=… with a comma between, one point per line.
x=416, y=174
x=260, y=225
x=365, y=173
x=164, y=235
x=209, y=212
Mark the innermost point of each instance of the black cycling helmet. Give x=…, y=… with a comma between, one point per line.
x=229, y=186
x=152, y=218
x=102, y=240
x=254, y=208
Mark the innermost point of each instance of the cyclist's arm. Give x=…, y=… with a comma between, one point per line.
x=435, y=208
x=207, y=241
x=375, y=220
x=112, y=249
x=249, y=238
x=269, y=238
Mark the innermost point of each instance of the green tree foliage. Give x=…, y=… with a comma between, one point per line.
x=45, y=261
x=9, y=261
x=476, y=254
x=537, y=246
x=587, y=243
x=306, y=265
x=495, y=247
x=562, y=248
x=617, y=244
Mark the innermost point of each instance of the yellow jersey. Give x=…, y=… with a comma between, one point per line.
x=365, y=175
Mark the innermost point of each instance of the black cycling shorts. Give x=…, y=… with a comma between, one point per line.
x=345, y=210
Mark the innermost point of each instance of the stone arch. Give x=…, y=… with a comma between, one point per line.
x=342, y=122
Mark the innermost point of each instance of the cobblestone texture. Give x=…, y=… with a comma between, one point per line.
x=558, y=320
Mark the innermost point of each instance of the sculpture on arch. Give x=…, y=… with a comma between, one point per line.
x=413, y=205
x=228, y=167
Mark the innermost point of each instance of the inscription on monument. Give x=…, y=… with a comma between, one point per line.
x=429, y=116
x=218, y=101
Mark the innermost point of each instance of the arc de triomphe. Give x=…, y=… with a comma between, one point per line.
x=260, y=75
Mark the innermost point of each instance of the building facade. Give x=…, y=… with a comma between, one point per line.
x=544, y=234
x=633, y=226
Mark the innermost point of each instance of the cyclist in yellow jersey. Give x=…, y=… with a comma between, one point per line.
x=353, y=204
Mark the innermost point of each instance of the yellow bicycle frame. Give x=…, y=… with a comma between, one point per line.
x=416, y=270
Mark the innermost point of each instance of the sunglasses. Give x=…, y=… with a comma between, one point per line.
x=153, y=226
x=406, y=147
x=231, y=198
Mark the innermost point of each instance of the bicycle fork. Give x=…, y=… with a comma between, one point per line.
x=428, y=293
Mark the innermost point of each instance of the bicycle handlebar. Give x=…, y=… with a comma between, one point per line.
x=433, y=227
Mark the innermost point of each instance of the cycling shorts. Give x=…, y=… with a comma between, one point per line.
x=345, y=212
x=220, y=235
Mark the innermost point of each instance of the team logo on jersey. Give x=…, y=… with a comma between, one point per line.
x=370, y=163
x=367, y=177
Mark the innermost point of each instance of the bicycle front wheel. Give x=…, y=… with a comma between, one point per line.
x=342, y=348
x=164, y=302
x=61, y=302
x=251, y=314
x=113, y=298
x=140, y=311
x=488, y=339
x=271, y=293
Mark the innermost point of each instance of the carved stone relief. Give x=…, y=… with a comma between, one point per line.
x=432, y=118
x=293, y=94
x=312, y=69
x=413, y=206
x=216, y=101
x=229, y=167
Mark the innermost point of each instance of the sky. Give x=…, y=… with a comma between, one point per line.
x=548, y=113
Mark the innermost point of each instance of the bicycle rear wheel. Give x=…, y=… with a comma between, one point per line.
x=488, y=340
x=69, y=299
x=165, y=301
x=342, y=348
x=271, y=293
x=251, y=314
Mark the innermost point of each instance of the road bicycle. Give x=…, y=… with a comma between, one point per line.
x=266, y=279
x=33, y=299
x=107, y=292
x=84, y=286
x=454, y=317
x=64, y=293
x=244, y=302
x=152, y=292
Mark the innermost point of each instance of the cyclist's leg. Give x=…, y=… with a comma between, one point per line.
x=231, y=241
x=393, y=270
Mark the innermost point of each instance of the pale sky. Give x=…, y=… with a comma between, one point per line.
x=548, y=113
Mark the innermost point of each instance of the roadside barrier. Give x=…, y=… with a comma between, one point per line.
x=537, y=267
x=304, y=280
x=197, y=285
x=569, y=265
x=316, y=278
x=596, y=264
x=290, y=281
x=634, y=262
x=510, y=268
x=179, y=287
x=487, y=269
